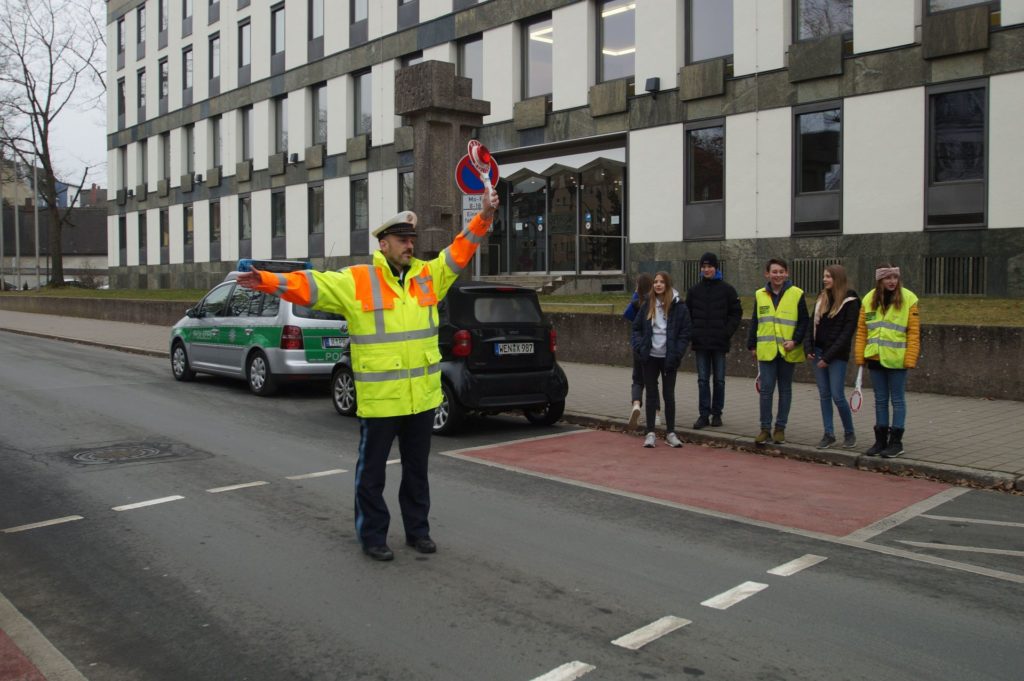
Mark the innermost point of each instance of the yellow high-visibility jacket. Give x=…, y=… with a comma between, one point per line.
x=776, y=325
x=392, y=327
x=894, y=339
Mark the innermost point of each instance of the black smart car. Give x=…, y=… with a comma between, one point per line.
x=497, y=355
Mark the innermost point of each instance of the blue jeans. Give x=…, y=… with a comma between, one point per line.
x=708, y=360
x=778, y=371
x=831, y=389
x=890, y=386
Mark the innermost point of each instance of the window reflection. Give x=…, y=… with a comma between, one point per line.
x=710, y=29
x=958, y=131
x=821, y=18
x=277, y=215
x=537, y=48
x=618, y=39
x=818, y=151
x=706, y=155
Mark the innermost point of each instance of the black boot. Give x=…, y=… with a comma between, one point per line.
x=881, y=441
x=895, y=447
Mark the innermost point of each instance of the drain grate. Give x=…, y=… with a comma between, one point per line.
x=123, y=453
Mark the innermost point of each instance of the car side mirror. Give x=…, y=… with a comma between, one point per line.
x=193, y=313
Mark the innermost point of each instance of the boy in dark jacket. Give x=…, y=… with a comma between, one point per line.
x=715, y=313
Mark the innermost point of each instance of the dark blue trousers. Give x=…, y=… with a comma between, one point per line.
x=377, y=435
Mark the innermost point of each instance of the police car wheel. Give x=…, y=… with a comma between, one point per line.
x=449, y=413
x=261, y=380
x=180, y=366
x=343, y=392
x=547, y=415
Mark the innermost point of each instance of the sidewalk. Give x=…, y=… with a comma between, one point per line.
x=961, y=440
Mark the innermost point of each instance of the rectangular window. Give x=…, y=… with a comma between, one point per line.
x=281, y=125
x=406, y=189
x=246, y=133
x=943, y=5
x=165, y=228
x=277, y=30
x=189, y=149
x=319, y=110
x=144, y=162
x=216, y=143
x=411, y=59
x=165, y=155
x=122, y=169
x=186, y=9
x=140, y=24
x=186, y=68
x=538, y=39
x=140, y=88
x=120, y=100
x=471, y=63
x=360, y=217
x=617, y=40
x=957, y=158
x=278, y=225
x=164, y=79
x=214, y=222
x=189, y=225
x=245, y=218
x=362, y=106
x=120, y=36
x=705, y=164
x=818, y=168
x=214, y=69
x=709, y=30
x=316, y=19
x=316, y=209
x=142, y=232
x=122, y=238
x=821, y=18
x=244, y=44
x=358, y=10
x=162, y=14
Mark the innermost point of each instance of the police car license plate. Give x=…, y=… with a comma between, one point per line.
x=333, y=342
x=513, y=348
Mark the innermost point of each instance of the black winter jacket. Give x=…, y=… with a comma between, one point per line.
x=715, y=314
x=834, y=335
x=677, y=334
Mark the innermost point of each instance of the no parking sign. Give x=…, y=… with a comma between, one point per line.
x=477, y=171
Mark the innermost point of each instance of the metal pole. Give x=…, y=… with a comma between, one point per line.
x=17, y=230
x=35, y=199
x=3, y=281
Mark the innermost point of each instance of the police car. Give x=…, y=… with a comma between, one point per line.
x=240, y=333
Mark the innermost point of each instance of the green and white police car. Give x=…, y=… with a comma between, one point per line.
x=240, y=333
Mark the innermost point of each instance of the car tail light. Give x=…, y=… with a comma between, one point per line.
x=463, y=343
x=553, y=340
x=291, y=338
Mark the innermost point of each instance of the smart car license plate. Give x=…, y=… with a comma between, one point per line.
x=513, y=348
x=333, y=342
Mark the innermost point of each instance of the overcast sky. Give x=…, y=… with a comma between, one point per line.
x=80, y=140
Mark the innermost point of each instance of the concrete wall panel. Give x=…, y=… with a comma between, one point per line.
x=656, y=184
x=1006, y=141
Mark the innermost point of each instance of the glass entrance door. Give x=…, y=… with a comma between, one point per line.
x=562, y=212
x=528, y=228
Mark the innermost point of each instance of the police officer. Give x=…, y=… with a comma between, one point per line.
x=391, y=308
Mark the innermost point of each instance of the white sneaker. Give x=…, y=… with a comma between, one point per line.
x=649, y=441
x=673, y=441
x=634, y=416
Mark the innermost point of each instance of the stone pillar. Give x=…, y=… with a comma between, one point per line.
x=444, y=116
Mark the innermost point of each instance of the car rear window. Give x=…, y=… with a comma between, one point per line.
x=307, y=313
x=503, y=309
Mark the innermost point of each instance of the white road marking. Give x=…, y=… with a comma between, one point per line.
x=970, y=549
x=232, y=488
x=393, y=461
x=742, y=520
x=42, y=523
x=978, y=521
x=900, y=517
x=151, y=502
x=794, y=566
x=734, y=595
x=567, y=672
x=319, y=474
x=653, y=631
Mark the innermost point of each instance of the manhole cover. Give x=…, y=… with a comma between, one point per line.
x=119, y=454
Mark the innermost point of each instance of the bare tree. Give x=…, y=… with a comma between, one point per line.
x=49, y=50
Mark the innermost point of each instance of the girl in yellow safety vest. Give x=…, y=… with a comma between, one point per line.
x=889, y=342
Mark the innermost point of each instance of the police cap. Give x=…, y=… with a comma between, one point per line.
x=403, y=224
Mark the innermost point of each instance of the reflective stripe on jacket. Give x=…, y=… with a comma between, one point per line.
x=392, y=327
x=776, y=325
x=893, y=338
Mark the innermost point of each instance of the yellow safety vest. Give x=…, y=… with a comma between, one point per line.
x=392, y=327
x=775, y=326
x=887, y=334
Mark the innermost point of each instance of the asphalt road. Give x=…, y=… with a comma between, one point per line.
x=535, y=577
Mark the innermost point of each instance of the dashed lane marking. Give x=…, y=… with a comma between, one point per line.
x=151, y=502
x=567, y=672
x=734, y=595
x=232, y=488
x=638, y=639
x=318, y=474
x=977, y=521
x=794, y=566
x=902, y=516
x=969, y=549
x=43, y=523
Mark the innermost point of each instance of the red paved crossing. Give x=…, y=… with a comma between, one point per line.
x=14, y=666
x=819, y=498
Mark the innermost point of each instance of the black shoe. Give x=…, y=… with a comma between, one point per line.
x=702, y=422
x=422, y=544
x=716, y=421
x=379, y=552
x=881, y=441
x=895, y=447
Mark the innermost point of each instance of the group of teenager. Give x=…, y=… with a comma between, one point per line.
x=881, y=330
